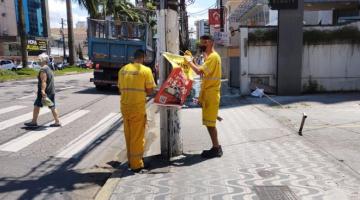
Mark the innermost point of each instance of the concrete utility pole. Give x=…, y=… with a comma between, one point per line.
x=70, y=32
x=22, y=33
x=290, y=48
x=184, y=32
x=168, y=41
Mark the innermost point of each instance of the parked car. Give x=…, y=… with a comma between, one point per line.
x=7, y=64
x=81, y=63
x=30, y=64
x=62, y=65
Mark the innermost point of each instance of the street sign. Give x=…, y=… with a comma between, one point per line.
x=214, y=16
x=37, y=45
x=283, y=4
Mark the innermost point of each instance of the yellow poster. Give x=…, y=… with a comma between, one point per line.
x=179, y=61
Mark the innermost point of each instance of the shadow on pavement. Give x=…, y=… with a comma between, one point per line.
x=35, y=128
x=55, y=176
x=93, y=90
x=159, y=165
x=188, y=160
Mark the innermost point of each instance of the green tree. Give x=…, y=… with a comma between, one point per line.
x=119, y=9
x=92, y=6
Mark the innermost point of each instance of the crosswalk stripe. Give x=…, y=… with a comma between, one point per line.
x=22, y=118
x=28, y=96
x=21, y=142
x=85, y=139
x=11, y=108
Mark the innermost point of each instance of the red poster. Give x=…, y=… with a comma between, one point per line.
x=175, y=89
x=214, y=16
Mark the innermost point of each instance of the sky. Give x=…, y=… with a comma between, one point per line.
x=57, y=10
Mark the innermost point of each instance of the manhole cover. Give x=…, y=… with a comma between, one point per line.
x=274, y=193
x=265, y=173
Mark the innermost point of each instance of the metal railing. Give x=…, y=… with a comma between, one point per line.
x=116, y=29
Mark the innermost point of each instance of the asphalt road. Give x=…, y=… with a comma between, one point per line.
x=71, y=162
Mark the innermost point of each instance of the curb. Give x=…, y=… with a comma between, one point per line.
x=107, y=189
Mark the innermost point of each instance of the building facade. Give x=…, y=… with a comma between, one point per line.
x=202, y=28
x=7, y=16
x=8, y=27
x=36, y=17
x=316, y=12
x=37, y=27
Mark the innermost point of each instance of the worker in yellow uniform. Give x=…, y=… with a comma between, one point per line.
x=135, y=82
x=209, y=97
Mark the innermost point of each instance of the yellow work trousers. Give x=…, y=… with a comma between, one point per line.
x=134, y=130
x=210, y=102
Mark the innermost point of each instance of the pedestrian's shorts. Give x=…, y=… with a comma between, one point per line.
x=38, y=101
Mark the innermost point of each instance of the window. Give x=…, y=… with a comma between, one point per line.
x=3, y=14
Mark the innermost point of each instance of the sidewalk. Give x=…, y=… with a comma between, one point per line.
x=263, y=159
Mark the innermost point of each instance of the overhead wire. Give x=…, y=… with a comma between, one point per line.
x=201, y=12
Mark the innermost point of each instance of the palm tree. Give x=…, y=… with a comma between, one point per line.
x=22, y=33
x=92, y=6
x=70, y=32
x=119, y=9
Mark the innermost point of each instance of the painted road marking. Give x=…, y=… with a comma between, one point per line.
x=87, y=138
x=21, y=142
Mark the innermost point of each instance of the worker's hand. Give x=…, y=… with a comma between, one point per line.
x=156, y=90
x=188, y=59
x=43, y=94
x=187, y=53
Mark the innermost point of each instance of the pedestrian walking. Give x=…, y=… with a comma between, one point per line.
x=135, y=82
x=209, y=97
x=45, y=94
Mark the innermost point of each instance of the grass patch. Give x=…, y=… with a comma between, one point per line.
x=72, y=70
x=7, y=75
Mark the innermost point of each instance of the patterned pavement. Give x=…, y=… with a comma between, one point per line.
x=258, y=151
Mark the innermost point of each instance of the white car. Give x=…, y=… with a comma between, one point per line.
x=30, y=65
x=7, y=64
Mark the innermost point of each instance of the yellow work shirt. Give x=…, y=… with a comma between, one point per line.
x=134, y=78
x=211, y=80
x=210, y=89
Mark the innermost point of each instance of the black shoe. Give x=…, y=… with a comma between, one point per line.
x=212, y=153
x=145, y=168
x=55, y=125
x=30, y=124
x=140, y=170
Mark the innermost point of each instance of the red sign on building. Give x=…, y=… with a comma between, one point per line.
x=214, y=16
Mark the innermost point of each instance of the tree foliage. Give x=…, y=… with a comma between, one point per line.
x=119, y=9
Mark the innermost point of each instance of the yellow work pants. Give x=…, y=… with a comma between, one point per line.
x=134, y=130
x=210, y=101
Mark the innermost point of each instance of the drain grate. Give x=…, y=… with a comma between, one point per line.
x=266, y=173
x=281, y=192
